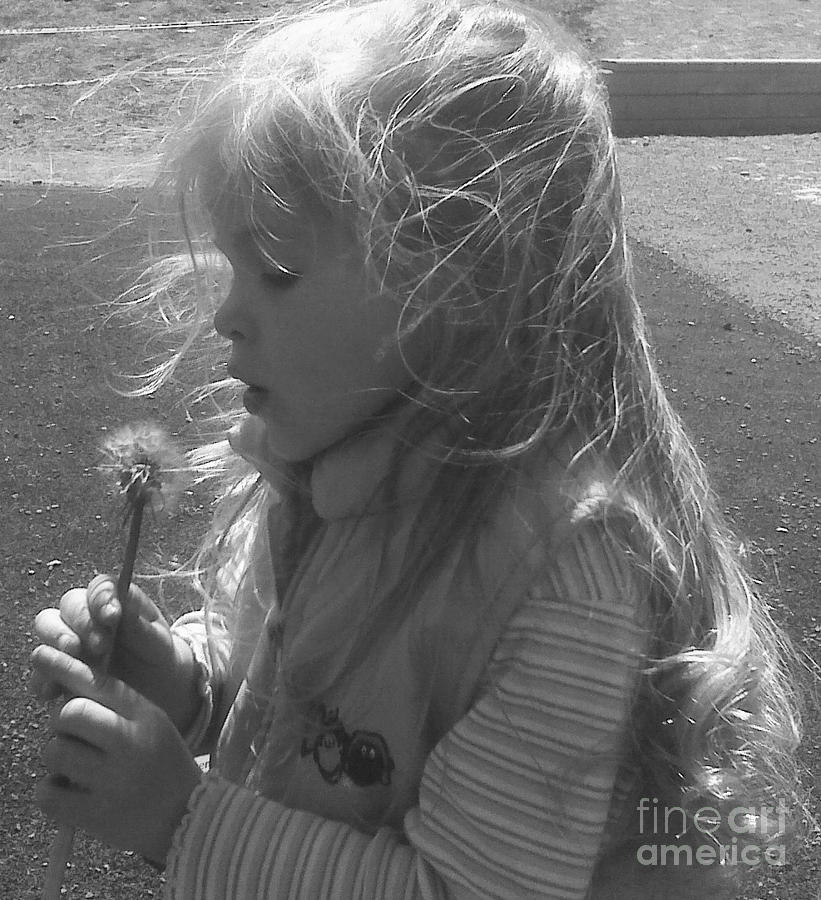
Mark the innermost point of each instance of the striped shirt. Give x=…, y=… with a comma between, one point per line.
x=508, y=781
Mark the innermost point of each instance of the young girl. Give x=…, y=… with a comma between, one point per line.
x=474, y=626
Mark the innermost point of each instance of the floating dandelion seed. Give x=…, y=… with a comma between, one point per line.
x=149, y=471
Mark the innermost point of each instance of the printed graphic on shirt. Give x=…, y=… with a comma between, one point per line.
x=362, y=757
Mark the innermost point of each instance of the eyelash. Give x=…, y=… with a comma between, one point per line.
x=273, y=276
x=278, y=278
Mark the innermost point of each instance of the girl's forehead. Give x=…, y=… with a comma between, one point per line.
x=234, y=215
x=295, y=232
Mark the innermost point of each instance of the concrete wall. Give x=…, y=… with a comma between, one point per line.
x=714, y=97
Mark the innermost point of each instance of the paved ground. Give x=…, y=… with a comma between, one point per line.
x=747, y=387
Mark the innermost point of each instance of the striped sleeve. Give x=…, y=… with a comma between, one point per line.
x=514, y=799
x=235, y=845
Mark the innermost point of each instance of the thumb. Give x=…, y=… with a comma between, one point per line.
x=105, y=607
x=139, y=606
x=143, y=638
x=133, y=624
x=78, y=678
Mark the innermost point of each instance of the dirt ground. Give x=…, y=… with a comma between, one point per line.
x=726, y=231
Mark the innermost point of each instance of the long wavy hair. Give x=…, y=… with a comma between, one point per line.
x=467, y=147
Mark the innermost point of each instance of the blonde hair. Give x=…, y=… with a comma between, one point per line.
x=468, y=148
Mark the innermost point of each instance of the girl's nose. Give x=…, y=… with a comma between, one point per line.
x=227, y=322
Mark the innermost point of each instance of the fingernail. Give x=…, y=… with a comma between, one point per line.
x=64, y=643
x=109, y=611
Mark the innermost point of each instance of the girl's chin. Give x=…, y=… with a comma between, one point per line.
x=282, y=442
x=290, y=445
x=296, y=445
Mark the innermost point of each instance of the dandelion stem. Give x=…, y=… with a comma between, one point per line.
x=130, y=555
x=62, y=845
x=58, y=857
x=142, y=458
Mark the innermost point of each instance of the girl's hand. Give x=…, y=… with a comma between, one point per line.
x=117, y=766
x=138, y=645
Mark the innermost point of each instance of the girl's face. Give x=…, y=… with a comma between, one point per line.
x=317, y=349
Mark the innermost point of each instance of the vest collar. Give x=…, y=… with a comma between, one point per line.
x=345, y=478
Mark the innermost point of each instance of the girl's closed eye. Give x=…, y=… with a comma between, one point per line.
x=280, y=277
x=240, y=259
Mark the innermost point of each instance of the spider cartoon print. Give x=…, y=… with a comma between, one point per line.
x=362, y=757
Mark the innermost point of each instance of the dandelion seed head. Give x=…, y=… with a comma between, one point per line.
x=147, y=466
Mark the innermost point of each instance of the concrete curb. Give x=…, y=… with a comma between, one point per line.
x=708, y=97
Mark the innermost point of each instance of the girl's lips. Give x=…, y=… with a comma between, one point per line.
x=233, y=373
x=253, y=398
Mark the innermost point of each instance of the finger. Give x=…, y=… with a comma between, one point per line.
x=76, y=677
x=74, y=609
x=105, y=612
x=82, y=719
x=66, y=803
x=52, y=629
x=140, y=605
x=60, y=799
x=103, y=605
x=42, y=688
x=74, y=761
